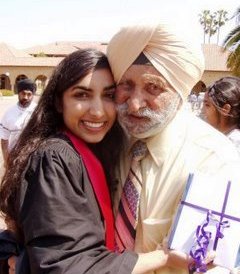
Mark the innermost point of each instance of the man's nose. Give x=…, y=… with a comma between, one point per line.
x=136, y=101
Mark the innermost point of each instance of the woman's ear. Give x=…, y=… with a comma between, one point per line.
x=226, y=109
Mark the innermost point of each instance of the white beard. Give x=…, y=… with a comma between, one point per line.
x=155, y=120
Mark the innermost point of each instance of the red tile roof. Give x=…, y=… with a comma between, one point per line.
x=8, y=51
x=10, y=56
x=64, y=48
x=215, y=57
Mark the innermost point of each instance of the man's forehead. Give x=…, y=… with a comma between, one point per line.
x=145, y=72
x=25, y=91
x=156, y=79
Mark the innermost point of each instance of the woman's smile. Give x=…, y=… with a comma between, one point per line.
x=94, y=125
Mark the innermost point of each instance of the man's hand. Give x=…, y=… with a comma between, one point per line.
x=182, y=260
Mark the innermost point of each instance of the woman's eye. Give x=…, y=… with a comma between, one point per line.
x=110, y=95
x=82, y=94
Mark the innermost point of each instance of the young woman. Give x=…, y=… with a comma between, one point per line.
x=221, y=107
x=54, y=194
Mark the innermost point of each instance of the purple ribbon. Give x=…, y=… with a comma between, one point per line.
x=199, y=250
x=221, y=224
x=203, y=237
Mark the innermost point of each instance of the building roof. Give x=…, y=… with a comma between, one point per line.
x=30, y=61
x=10, y=52
x=10, y=56
x=51, y=50
x=63, y=48
x=215, y=57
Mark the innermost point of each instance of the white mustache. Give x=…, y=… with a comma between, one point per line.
x=141, y=113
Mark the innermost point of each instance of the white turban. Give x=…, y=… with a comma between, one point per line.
x=178, y=62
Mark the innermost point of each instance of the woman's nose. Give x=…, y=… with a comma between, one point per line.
x=97, y=108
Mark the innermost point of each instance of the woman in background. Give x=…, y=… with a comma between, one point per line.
x=221, y=107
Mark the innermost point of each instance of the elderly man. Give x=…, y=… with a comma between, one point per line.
x=155, y=71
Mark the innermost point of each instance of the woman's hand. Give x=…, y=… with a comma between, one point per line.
x=12, y=264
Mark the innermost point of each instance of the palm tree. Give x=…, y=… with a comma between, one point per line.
x=208, y=21
x=232, y=43
x=212, y=27
x=204, y=17
x=220, y=18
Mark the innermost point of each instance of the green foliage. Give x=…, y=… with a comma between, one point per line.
x=212, y=23
x=232, y=43
x=233, y=61
x=41, y=54
x=6, y=92
x=233, y=38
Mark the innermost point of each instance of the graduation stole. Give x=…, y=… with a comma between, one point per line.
x=99, y=184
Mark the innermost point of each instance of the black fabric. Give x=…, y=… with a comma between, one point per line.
x=60, y=217
x=142, y=60
x=26, y=84
x=3, y=267
x=9, y=247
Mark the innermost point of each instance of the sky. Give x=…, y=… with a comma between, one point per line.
x=27, y=23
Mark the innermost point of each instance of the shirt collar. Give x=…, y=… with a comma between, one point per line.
x=159, y=146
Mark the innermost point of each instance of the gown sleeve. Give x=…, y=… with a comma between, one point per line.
x=60, y=218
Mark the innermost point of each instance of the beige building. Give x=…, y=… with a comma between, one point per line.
x=38, y=62
x=17, y=64
x=215, y=66
x=215, y=63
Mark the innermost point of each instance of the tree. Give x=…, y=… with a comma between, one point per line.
x=232, y=43
x=212, y=28
x=212, y=23
x=204, y=17
x=220, y=18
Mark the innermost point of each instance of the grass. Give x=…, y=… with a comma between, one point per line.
x=6, y=92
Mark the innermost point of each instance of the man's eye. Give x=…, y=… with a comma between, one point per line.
x=154, y=89
x=123, y=86
x=153, y=86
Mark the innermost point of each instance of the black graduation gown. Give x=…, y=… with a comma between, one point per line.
x=60, y=218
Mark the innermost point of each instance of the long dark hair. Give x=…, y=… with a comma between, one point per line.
x=227, y=91
x=46, y=121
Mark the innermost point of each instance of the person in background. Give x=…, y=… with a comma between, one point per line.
x=154, y=70
x=54, y=193
x=221, y=107
x=17, y=116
